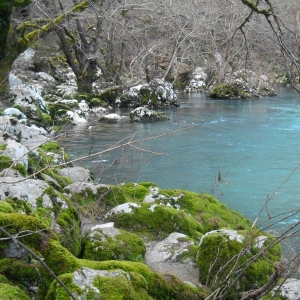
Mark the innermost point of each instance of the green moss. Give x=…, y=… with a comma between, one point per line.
x=18, y=106
x=218, y=255
x=105, y=199
x=110, y=95
x=62, y=181
x=5, y=162
x=44, y=215
x=234, y=90
x=68, y=219
x=158, y=221
x=148, y=184
x=123, y=246
x=6, y=207
x=95, y=102
x=8, y=292
x=207, y=210
x=71, y=233
x=50, y=147
x=3, y=146
x=116, y=287
x=57, y=292
x=142, y=280
x=135, y=192
x=46, y=158
x=15, y=223
x=20, y=206
x=21, y=169
x=46, y=120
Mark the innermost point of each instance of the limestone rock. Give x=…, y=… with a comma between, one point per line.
x=76, y=174
x=26, y=190
x=28, y=96
x=144, y=114
x=125, y=208
x=197, y=81
x=170, y=249
x=17, y=152
x=14, y=112
x=78, y=187
x=75, y=119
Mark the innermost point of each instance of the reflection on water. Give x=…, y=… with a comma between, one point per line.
x=254, y=145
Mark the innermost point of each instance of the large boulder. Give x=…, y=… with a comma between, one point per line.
x=174, y=255
x=157, y=94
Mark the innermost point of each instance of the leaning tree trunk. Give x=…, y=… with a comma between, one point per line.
x=87, y=77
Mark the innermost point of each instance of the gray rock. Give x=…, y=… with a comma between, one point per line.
x=24, y=61
x=11, y=173
x=17, y=152
x=28, y=96
x=197, y=81
x=15, y=251
x=10, y=125
x=14, y=112
x=76, y=174
x=111, y=118
x=164, y=257
x=290, y=289
x=78, y=187
x=125, y=208
x=75, y=119
x=231, y=234
x=66, y=90
x=169, y=249
x=26, y=190
x=33, y=136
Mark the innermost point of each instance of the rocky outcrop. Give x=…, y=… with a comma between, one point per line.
x=243, y=84
x=144, y=114
x=156, y=94
x=197, y=82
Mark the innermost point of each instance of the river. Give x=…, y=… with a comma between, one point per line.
x=243, y=152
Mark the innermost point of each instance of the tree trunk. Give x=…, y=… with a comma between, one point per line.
x=87, y=77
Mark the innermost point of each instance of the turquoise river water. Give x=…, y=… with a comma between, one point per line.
x=242, y=152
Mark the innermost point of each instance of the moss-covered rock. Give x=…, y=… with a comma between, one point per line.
x=224, y=254
x=233, y=90
x=111, y=243
x=143, y=114
x=207, y=210
x=121, y=284
x=154, y=220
